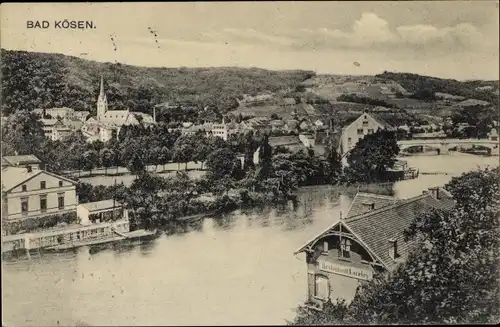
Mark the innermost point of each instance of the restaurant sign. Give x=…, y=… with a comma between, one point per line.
x=354, y=272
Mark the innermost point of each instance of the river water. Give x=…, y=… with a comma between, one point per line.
x=237, y=270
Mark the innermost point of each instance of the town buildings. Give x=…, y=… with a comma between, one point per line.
x=368, y=241
x=107, y=123
x=31, y=193
x=367, y=123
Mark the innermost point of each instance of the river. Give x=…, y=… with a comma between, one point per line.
x=239, y=270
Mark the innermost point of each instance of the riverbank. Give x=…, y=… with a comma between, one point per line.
x=202, y=268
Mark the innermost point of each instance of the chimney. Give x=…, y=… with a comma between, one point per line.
x=369, y=205
x=28, y=168
x=434, y=192
x=154, y=114
x=393, y=249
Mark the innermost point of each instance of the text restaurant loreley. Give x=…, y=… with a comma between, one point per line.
x=368, y=242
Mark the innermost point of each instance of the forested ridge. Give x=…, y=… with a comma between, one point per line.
x=43, y=80
x=468, y=89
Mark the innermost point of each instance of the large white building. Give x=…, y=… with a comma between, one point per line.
x=107, y=123
x=367, y=123
x=28, y=192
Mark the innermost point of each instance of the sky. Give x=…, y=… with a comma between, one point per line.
x=449, y=39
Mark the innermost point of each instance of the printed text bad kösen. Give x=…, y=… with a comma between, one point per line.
x=62, y=24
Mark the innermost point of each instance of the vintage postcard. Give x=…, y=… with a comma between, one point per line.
x=250, y=163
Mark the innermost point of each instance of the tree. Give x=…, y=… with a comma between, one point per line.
x=136, y=164
x=22, y=134
x=223, y=163
x=334, y=165
x=164, y=156
x=153, y=156
x=90, y=160
x=184, y=149
x=107, y=159
x=265, y=158
x=371, y=157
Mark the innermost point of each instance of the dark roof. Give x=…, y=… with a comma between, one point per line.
x=361, y=202
x=284, y=140
x=380, y=120
x=377, y=227
x=21, y=160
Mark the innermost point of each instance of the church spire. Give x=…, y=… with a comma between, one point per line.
x=101, y=93
x=102, y=102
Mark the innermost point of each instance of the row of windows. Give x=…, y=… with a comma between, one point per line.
x=361, y=131
x=43, y=203
x=344, y=249
x=43, y=185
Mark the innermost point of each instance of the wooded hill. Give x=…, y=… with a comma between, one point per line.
x=43, y=80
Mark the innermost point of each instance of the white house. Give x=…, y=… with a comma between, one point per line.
x=367, y=123
x=30, y=193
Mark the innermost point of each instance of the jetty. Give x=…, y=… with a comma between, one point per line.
x=134, y=235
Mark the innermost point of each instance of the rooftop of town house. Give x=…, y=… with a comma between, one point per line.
x=375, y=228
x=380, y=120
x=48, y=122
x=277, y=122
x=100, y=205
x=362, y=201
x=20, y=160
x=284, y=140
x=473, y=102
x=287, y=101
x=14, y=176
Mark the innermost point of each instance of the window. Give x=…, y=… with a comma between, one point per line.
x=345, y=248
x=494, y=138
x=60, y=200
x=60, y=183
x=321, y=287
x=365, y=123
x=325, y=247
x=370, y=130
x=349, y=141
x=24, y=188
x=43, y=203
x=360, y=131
x=42, y=185
x=24, y=205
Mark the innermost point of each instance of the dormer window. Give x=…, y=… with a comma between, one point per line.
x=393, y=249
x=369, y=205
x=24, y=188
x=345, y=248
x=365, y=123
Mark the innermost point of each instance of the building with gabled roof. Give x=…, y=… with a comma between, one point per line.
x=368, y=242
x=21, y=161
x=366, y=123
x=33, y=193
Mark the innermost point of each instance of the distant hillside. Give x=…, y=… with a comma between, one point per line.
x=42, y=80
x=481, y=90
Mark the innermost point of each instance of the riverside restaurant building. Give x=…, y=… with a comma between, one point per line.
x=368, y=241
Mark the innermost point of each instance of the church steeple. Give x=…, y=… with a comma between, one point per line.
x=102, y=101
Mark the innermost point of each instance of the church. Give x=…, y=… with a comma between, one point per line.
x=107, y=123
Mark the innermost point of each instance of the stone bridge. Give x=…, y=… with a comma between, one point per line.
x=443, y=145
